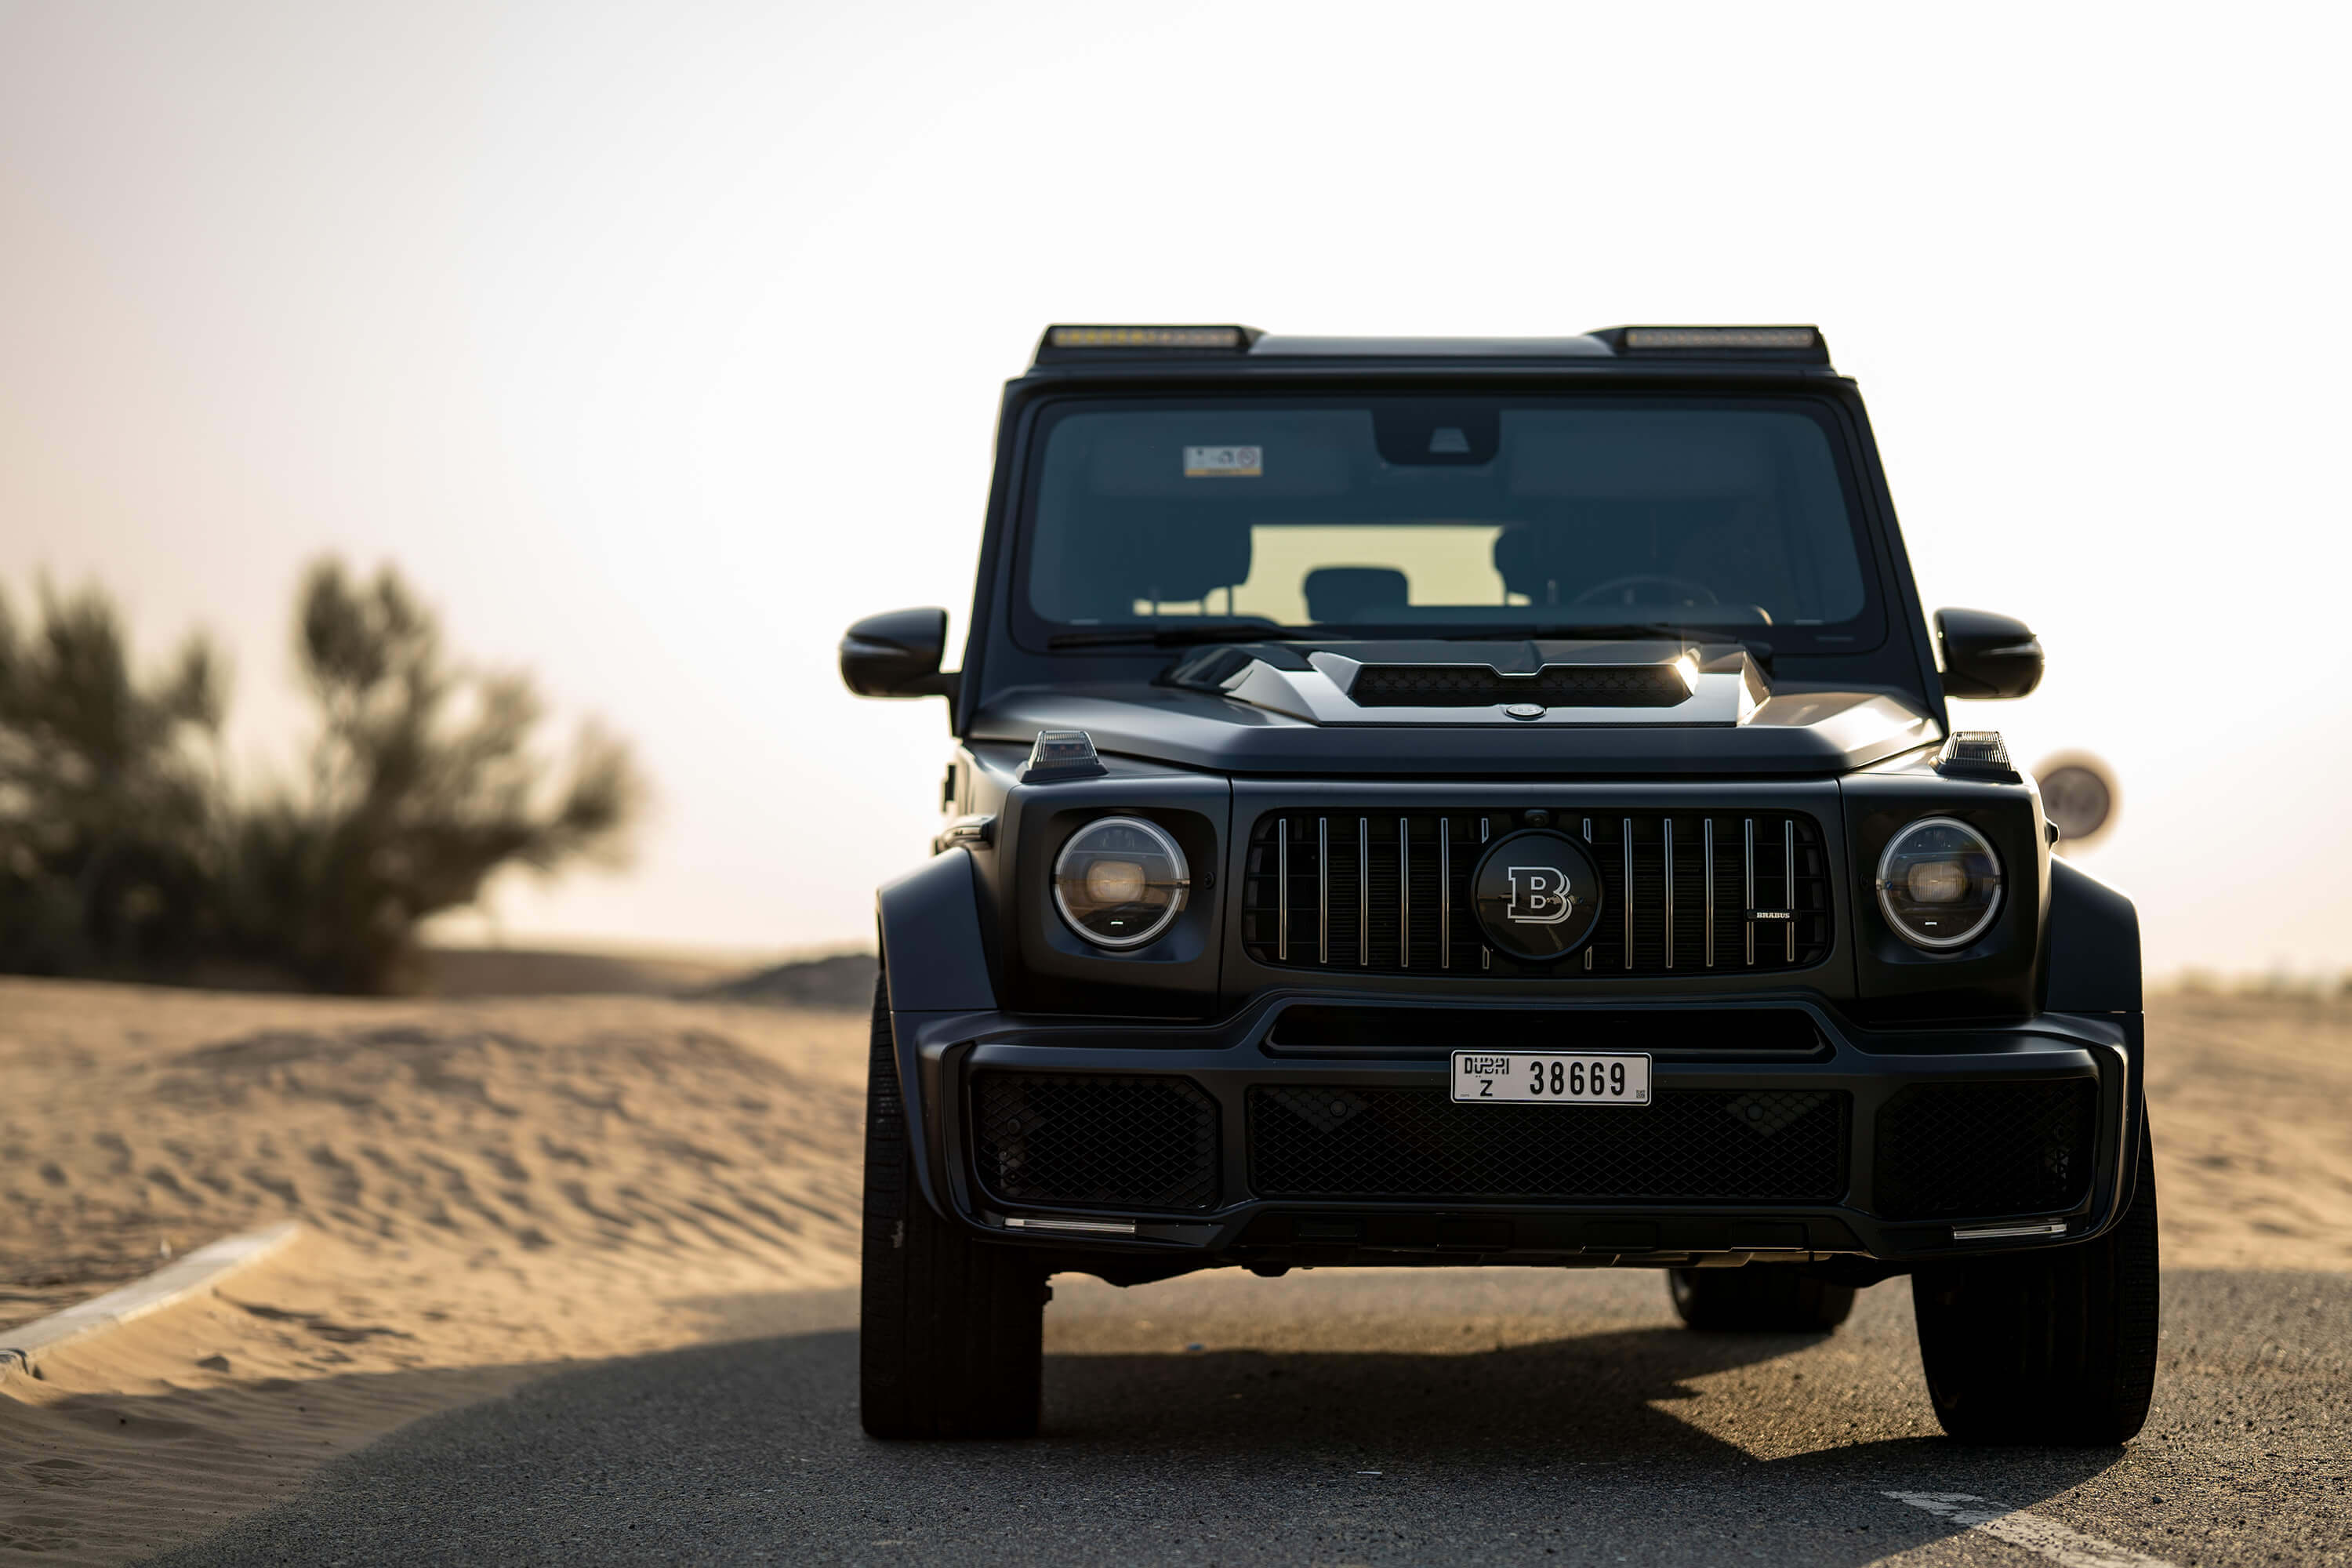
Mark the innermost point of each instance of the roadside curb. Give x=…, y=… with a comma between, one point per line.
x=199, y=1270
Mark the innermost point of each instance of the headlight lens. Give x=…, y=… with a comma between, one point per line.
x=1939, y=883
x=1121, y=882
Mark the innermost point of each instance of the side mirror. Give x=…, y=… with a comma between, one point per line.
x=1987, y=655
x=897, y=654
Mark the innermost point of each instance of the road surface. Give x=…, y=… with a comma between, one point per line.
x=1388, y=1418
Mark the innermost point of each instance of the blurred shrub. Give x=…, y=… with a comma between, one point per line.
x=109, y=829
x=124, y=850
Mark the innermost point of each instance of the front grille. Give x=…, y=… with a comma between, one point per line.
x=1732, y=1145
x=1389, y=893
x=1115, y=1141
x=1986, y=1149
x=1554, y=685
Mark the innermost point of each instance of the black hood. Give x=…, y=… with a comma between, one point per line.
x=1660, y=707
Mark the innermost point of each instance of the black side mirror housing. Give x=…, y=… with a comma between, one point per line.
x=1987, y=655
x=897, y=654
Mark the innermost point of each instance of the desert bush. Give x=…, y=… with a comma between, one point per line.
x=125, y=849
x=109, y=829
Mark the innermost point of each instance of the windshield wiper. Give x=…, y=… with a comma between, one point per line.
x=1180, y=636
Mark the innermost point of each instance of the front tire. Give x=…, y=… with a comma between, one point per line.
x=950, y=1338
x=1759, y=1297
x=2047, y=1347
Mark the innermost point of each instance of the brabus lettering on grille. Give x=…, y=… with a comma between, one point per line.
x=1539, y=895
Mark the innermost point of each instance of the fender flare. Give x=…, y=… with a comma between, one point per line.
x=2093, y=966
x=2093, y=946
x=934, y=963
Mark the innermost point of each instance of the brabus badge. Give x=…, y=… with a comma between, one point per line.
x=1540, y=896
x=1537, y=895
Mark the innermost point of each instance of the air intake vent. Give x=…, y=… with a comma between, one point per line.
x=1555, y=686
x=1984, y=1150
x=1099, y=1139
x=1389, y=893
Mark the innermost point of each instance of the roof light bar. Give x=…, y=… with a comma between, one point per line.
x=1721, y=337
x=1801, y=344
x=1144, y=337
x=1077, y=342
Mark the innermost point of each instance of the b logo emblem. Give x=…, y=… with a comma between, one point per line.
x=1540, y=896
x=1537, y=895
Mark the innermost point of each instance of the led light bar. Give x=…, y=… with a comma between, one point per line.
x=1802, y=344
x=1996, y=1232
x=1721, y=337
x=1062, y=754
x=1976, y=754
x=1095, y=1227
x=1228, y=337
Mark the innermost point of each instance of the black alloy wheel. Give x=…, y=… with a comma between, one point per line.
x=2054, y=1347
x=1759, y=1297
x=950, y=1337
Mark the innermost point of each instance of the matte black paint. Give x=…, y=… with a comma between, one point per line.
x=981, y=971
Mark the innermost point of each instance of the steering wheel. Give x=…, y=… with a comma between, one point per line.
x=1671, y=592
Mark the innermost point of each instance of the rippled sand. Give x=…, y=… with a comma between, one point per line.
x=496, y=1189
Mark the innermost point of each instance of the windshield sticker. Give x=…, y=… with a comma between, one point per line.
x=1224, y=462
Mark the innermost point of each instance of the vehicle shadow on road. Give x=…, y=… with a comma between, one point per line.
x=1589, y=1396
x=733, y=1452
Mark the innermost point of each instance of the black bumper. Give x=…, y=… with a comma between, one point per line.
x=1141, y=1150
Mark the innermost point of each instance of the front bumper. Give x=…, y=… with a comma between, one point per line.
x=1872, y=1203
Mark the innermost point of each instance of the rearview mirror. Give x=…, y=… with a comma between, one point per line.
x=897, y=654
x=1987, y=655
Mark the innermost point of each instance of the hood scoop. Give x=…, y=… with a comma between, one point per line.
x=1553, y=686
x=1649, y=682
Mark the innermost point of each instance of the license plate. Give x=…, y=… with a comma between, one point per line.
x=1589, y=1077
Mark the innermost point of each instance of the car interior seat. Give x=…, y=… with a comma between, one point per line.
x=1355, y=594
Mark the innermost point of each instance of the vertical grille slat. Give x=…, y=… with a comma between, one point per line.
x=1444, y=893
x=1322, y=889
x=1282, y=890
x=1404, y=892
x=1709, y=855
x=1389, y=891
x=1626, y=895
x=1669, y=880
x=1789, y=886
x=1747, y=916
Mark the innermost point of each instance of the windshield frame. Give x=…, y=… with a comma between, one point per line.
x=1033, y=632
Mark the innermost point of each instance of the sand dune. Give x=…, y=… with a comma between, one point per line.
x=491, y=1190
x=637, y=1134
x=495, y=1189
x=2251, y=1102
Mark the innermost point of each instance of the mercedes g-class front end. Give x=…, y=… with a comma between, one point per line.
x=1489, y=802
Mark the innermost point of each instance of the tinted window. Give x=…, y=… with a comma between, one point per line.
x=1411, y=514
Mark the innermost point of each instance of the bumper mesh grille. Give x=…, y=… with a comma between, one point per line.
x=1417, y=1144
x=1097, y=1139
x=1986, y=1149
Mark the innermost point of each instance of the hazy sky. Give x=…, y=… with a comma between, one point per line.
x=657, y=342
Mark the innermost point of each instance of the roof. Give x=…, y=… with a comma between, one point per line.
x=1237, y=346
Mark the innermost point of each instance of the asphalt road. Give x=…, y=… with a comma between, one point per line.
x=1454, y=1416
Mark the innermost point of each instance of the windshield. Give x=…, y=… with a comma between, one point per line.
x=1430, y=517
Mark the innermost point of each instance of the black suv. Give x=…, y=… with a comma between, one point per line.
x=1489, y=801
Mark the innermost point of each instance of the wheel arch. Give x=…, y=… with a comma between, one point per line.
x=2093, y=934
x=934, y=960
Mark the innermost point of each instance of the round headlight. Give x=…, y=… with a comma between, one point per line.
x=1939, y=883
x=1121, y=882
